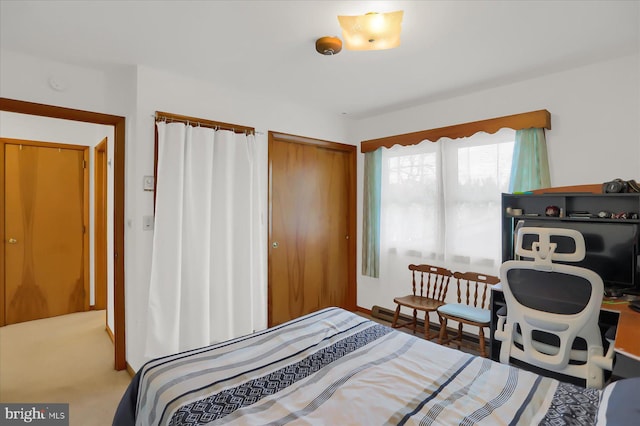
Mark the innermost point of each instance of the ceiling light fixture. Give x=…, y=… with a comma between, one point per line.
x=328, y=45
x=372, y=31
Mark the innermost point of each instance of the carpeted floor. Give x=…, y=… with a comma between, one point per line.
x=65, y=359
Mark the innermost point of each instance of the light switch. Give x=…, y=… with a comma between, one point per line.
x=147, y=223
x=148, y=183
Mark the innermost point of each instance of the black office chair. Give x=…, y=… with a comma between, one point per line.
x=552, y=309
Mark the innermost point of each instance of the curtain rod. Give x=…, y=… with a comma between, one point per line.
x=201, y=122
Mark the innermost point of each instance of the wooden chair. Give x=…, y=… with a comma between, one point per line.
x=433, y=284
x=472, y=309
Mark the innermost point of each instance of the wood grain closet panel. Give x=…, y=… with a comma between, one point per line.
x=310, y=208
x=44, y=263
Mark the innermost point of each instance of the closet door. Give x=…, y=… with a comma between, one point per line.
x=45, y=201
x=312, y=226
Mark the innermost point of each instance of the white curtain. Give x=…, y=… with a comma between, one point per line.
x=208, y=277
x=441, y=204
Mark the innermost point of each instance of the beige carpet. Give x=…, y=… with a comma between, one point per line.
x=62, y=359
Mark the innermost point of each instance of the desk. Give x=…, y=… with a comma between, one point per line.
x=627, y=343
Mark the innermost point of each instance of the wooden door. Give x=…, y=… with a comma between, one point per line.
x=45, y=201
x=312, y=226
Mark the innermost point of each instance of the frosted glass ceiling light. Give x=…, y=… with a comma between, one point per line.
x=372, y=31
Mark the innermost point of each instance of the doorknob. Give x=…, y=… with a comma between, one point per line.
x=12, y=241
x=275, y=244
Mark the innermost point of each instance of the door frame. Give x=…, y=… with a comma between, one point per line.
x=352, y=220
x=100, y=227
x=85, y=213
x=118, y=123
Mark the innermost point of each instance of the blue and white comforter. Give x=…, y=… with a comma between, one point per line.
x=333, y=367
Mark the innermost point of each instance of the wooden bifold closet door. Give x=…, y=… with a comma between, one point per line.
x=312, y=221
x=45, y=261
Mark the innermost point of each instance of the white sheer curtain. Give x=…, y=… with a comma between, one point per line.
x=207, y=274
x=441, y=203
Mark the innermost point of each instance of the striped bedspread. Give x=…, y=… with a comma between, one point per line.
x=333, y=367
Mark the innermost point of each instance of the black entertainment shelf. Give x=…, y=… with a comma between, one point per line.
x=602, y=236
x=533, y=207
x=576, y=219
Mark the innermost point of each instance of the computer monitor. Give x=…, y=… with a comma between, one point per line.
x=611, y=249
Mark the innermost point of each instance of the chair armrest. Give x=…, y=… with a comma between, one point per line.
x=606, y=361
x=610, y=334
x=500, y=333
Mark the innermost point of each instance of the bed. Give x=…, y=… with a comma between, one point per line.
x=333, y=367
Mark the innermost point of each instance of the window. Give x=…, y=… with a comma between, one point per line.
x=441, y=201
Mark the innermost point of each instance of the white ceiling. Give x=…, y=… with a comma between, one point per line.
x=267, y=47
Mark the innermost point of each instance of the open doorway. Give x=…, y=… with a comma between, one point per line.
x=118, y=124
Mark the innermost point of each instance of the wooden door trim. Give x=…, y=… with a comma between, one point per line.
x=352, y=151
x=4, y=239
x=118, y=123
x=44, y=144
x=87, y=231
x=100, y=225
x=285, y=137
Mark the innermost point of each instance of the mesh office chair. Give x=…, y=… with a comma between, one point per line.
x=552, y=309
